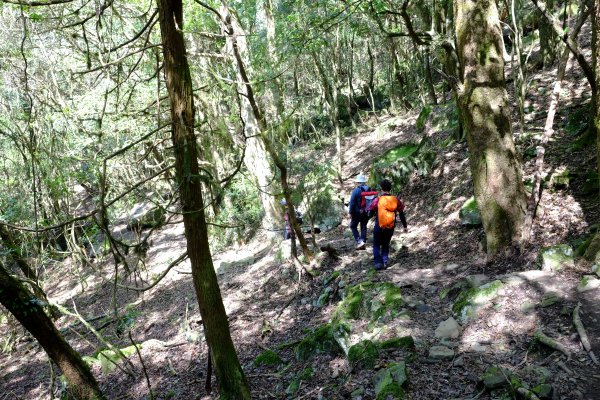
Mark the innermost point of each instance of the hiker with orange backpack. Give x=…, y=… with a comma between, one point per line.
x=360, y=202
x=386, y=206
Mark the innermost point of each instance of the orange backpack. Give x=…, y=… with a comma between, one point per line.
x=386, y=211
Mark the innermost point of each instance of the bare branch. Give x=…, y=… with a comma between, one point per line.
x=37, y=3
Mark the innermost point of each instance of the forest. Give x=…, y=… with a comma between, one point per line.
x=185, y=188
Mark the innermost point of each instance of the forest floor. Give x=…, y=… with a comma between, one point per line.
x=270, y=308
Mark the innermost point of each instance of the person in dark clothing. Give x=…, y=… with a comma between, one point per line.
x=287, y=229
x=358, y=216
x=387, y=206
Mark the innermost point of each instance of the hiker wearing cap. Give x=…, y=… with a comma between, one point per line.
x=358, y=213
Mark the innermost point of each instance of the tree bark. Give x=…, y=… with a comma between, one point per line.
x=547, y=38
x=495, y=169
x=429, y=77
x=331, y=97
x=257, y=114
x=28, y=311
x=28, y=272
x=588, y=70
x=274, y=85
x=593, y=251
x=256, y=158
x=230, y=377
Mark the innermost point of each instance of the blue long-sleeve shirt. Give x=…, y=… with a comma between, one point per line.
x=354, y=205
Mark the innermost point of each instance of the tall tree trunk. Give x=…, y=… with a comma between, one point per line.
x=276, y=102
x=331, y=97
x=518, y=69
x=257, y=158
x=248, y=92
x=547, y=37
x=27, y=310
x=429, y=77
x=230, y=377
x=495, y=169
x=593, y=251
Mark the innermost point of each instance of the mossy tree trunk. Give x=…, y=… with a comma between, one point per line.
x=593, y=251
x=238, y=48
x=495, y=168
x=28, y=310
x=547, y=38
x=256, y=158
x=331, y=98
x=230, y=377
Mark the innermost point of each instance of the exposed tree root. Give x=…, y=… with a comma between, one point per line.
x=585, y=341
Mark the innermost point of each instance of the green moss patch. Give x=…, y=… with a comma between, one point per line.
x=370, y=301
x=398, y=343
x=557, y=257
x=267, y=358
x=389, y=382
x=320, y=340
x=471, y=301
x=469, y=213
x=108, y=359
x=495, y=377
x=422, y=118
x=363, y=354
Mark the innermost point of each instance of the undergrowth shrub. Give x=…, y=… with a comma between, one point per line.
x=398, y=164
x=240, y=215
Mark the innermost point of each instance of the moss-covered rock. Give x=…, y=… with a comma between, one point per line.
x=495, y=377
x=397, y=343
x=267, y=358
x=587, y=283
x=543, y=391
x=369, y=301
x=537, y=375
x=469, y=213
x=324, y=297
x=557, y=257
x=363, y=354
x=471, y=301
x=320, y=340
x=389, y=382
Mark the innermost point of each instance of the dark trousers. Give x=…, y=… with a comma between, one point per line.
x=381, y=244
x=362, y=219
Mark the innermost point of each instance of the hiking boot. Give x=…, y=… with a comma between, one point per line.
x=379, y=267
x=360, y=245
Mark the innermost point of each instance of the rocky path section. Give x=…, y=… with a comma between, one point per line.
x=446, y=331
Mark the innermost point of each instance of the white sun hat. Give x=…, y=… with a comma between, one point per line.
x=360, y=178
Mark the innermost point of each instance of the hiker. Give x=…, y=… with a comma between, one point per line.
x=386, y=206
x=287, y=231
x=360, y=202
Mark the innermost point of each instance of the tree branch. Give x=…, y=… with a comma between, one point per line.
x=37, y=3
x=569, y=42
x=149, y=24
x=175, y=263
